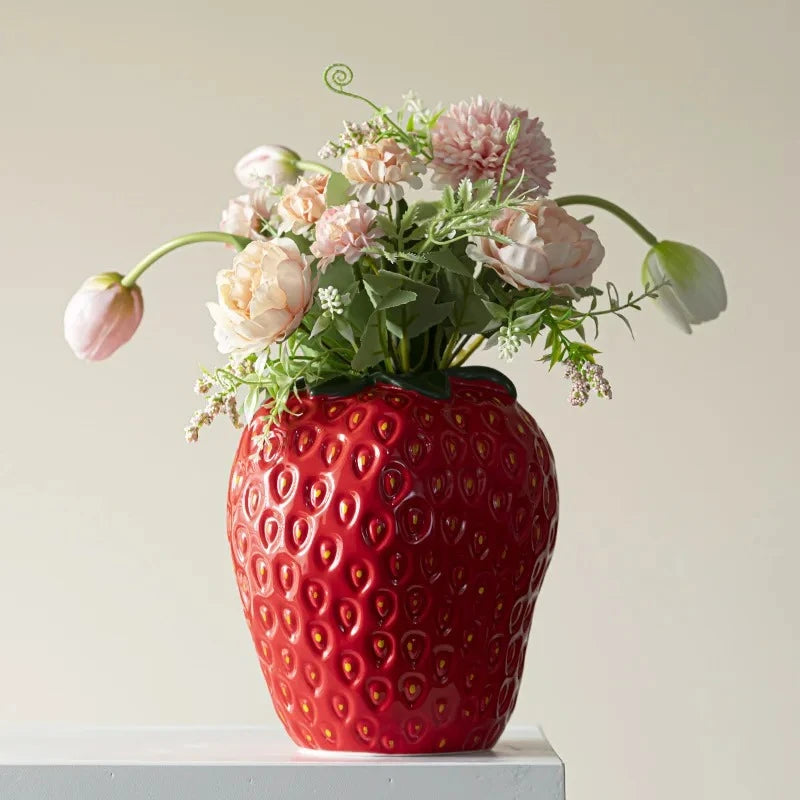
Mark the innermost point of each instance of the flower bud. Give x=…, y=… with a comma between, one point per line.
x=269, y=162
x=696, y=289
x=101, y=316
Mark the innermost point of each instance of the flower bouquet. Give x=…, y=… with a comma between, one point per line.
x=392, y=511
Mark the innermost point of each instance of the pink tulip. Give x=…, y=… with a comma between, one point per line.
x=268, y=163
x=101, y=316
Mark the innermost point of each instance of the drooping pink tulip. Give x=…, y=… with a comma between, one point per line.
x=101, y=316
x=269, y=163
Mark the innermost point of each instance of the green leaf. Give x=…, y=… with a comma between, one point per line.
x=358, y=311
x=447, y=259
x=395, y=298
x=252, y=402
x=370, y=351
x=416, y=213
x=380, y=284
x=413, y=257
x=425, y=317
x=464, y=192
x=527, y=321
x=484, y=191
x=409, y=216
x=320, y=326
x=345, y=329
x=556, y=350
x=386, y=224
x=496, y=310
x=339, y=274
x=261, y=362
x=303, y=245
x=338, y=190
x=448, y=198
x=613, y=295
x=531, y=302
x=469, y=314
x=627, y=324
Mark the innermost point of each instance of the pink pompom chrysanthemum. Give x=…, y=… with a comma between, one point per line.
x=469, y=141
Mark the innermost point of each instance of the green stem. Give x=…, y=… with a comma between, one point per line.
x=312, y=166
x=511, y=140
x=437, y=344
x=460, y=346
x=338, y=76
x=239, y=242
x=468, y=351
x=405, y=353
x=448, y=351
x=612, y=208
x=424, y=356
x=383, y=335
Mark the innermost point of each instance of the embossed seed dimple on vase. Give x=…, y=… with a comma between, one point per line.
x=389, y=548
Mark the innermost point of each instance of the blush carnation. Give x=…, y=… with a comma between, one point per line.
x=240, y=218
x=344, y=231
x=551, y=248
x=246, y=213
x=469, y=141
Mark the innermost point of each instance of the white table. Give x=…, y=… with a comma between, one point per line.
x=60, y=763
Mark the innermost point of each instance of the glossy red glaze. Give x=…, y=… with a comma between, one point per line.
x=389, y=550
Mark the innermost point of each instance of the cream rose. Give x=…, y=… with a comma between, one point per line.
x=302, y=204
x=262, y=298
x=551, y=248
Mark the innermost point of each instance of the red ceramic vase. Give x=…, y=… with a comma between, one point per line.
x=389, y=548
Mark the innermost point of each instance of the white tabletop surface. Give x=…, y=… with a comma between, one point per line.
x=238, y=763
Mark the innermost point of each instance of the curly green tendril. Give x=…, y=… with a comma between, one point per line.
x=339, y=76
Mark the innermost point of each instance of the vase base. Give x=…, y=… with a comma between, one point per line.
x=355, y=755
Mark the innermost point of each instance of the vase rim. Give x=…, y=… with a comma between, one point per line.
x=435, y=383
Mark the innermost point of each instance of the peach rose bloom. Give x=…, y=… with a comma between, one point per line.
x=262, y=298
x=378, y=168
x=302, y=204
x=551, y=248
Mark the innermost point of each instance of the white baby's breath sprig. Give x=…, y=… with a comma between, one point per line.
x=508, y=342
x=330, y=301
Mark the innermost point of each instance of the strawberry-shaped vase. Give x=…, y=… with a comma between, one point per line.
x=390, y=541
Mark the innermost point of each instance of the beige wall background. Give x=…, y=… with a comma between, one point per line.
x=665, y=648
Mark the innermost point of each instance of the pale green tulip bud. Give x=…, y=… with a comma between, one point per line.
x=696, y=289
